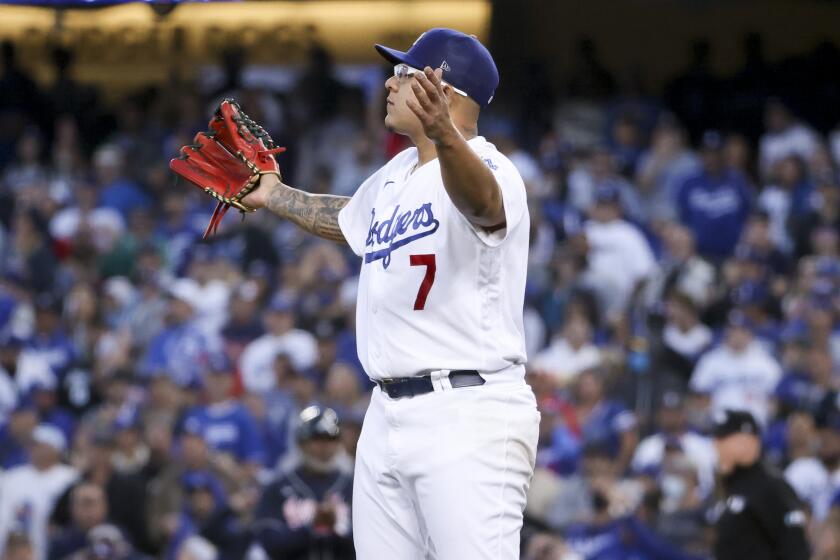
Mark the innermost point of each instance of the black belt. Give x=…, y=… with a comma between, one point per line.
x=402, y=387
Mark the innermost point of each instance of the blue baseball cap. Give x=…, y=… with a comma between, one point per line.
x=282, y=303
x=738, y=319
x=466, y=63
x=202, y=480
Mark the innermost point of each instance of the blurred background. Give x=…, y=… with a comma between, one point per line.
x=681, y=159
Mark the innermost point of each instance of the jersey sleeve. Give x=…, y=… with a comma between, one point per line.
x=355, y=218
x=514, y=198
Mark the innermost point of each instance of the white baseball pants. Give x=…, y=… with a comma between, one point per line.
x=443, y=476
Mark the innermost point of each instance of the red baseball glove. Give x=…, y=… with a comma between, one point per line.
x=228, y=160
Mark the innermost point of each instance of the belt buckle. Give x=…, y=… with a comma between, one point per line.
x=384, y=384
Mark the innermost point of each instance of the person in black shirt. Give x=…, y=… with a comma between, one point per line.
x=760, y=516
x=305, y=513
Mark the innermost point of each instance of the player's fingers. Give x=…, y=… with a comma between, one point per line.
x=428, y=86
x=436, y=78
x=422, y=96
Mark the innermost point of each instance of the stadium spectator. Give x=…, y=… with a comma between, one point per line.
x=787, y=199
x=785, y=136
x=604, y=422
x=674, y=433
x=684, y=337
x=183, y=349
x=715, y=202
x=281, y=337
x=20, y=370
x=29, y=491
x=89, y=508
x=570, y=352
x=209, y=515
x=614, y=245
x=226, y=424
x=124, y=491
x=306, y=511
x=115, y=189
x=662, y=168
x=739, y=373
x=16, y=434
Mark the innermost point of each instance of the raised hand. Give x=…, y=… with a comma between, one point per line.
x=431, y=106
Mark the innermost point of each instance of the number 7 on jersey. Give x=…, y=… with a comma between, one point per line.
x=429, y=262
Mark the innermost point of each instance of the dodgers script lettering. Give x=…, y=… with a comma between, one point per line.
x=398, y=230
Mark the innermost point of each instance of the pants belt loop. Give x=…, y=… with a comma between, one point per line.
x=440, y=380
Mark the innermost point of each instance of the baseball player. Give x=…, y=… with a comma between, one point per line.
x=448, y=443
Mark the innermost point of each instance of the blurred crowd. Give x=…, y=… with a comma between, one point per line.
x=171, y=397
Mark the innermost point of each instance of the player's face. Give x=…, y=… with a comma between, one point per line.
x=398, y=117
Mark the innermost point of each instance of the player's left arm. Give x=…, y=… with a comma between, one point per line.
x=468, y=181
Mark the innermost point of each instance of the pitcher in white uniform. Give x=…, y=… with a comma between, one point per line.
x=448, y=444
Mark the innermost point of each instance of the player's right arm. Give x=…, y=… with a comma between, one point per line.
x=315, y=213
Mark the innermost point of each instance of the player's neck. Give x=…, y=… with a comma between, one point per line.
x=426, y=150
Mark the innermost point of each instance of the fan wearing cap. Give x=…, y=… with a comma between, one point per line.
x=673, y=428
x=225, y=423
x=183, y=348
x=448, y=444
x=618, y=256
x=29, y=491
x=305, y=513
x=714, y=202
x=210, y=517
x=281, y=337
x=740, y=373
x=760, y=516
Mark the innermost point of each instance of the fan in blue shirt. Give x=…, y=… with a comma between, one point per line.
x=49, y=340
x=715, y=202
x=225, y=424
x=604, y=422
x=181, y=350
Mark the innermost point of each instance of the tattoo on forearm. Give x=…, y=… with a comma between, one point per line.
x=315, y=213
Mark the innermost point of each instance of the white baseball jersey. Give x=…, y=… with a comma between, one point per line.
x=436, y=292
